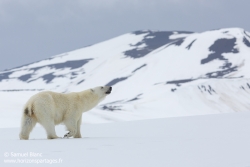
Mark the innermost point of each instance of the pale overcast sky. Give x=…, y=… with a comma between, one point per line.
x=32, y=30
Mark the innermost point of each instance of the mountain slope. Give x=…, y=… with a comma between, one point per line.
x=153, y=73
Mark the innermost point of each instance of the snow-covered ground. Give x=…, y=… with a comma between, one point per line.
x=221, y=140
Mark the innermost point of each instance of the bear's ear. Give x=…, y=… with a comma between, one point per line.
x=92, y=90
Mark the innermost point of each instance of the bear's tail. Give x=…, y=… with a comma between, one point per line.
x=29, y=111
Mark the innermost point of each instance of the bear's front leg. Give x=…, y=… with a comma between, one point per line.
x=78, y=132
x=72, y=128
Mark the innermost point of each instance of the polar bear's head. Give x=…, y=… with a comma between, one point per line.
x=102, y=91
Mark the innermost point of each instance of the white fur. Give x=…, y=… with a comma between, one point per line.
x=50, y=109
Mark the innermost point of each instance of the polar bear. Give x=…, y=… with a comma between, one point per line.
x=51, y=108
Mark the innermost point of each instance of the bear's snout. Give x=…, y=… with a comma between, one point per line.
x=109, y=91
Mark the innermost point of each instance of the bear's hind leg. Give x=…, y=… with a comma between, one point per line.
x=27, y=124
x=49, y=126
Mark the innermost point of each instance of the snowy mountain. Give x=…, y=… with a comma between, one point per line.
x=154, y=74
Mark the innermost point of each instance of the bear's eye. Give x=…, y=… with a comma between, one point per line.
x=101, y=87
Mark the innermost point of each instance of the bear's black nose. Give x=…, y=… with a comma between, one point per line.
x=109, y=91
